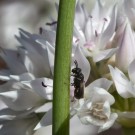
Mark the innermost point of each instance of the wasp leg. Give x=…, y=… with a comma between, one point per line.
x=76, y=63
x=72, y=84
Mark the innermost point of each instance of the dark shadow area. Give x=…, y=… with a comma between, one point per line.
x=63, y=130
x=112, y=132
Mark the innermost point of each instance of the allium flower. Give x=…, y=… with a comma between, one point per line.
x=19, y=92
x=33, y=90
x=37, y=53
x=27, y=84
x=84, y=65
x=94, y=108
x=95, y=31
x=26, y=100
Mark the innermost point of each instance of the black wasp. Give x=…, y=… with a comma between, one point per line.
x=78, y=81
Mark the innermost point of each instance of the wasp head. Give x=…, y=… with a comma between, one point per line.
x=76, y=70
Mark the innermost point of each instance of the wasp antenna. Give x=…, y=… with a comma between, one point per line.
x=43, y=85
x=76, y=63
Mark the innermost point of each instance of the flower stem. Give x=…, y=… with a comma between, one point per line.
x=94, y=69
x=61, y=84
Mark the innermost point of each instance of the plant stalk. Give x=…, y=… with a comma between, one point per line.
x=61, y=86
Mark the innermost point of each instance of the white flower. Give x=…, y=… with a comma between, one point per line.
x=94, y=32
x=25, y=91
x=37, y=53
x=85, y=67
x=124, y=86
x=20, y=92
x=12, y=62
x=26, y=100
x=96, y=109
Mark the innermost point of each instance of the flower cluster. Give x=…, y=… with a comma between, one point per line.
x=103, y=48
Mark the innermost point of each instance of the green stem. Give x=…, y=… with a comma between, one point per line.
x=126, y=105
x=61, y=84
x=94, y=69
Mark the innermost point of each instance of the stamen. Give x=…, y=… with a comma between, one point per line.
x=97, y=111
x=43, y=85
x=105, y=19
x=103, y=28
x=91, y=24
x=52, y=23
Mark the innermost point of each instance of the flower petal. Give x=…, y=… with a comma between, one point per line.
x=19, y=127
x=31, y=60
x=108, y=33
x=82, y=62
x=80, y=16
x=35, y=53
x=125, y=54
x=45, y=121
x=20, y=100
x=131, y=71
x=44, y=108
x=105, y=54
x=123, y=86
x=101, y=83
x=76, y=128
x=78, y=33
x=13, y=62
x=98, y=10
x=49, y=36
x=44, y=130
x=101, y=95
x=36, y=85
x=109, y=123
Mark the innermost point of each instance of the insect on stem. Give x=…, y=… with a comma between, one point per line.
x=78, y=81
